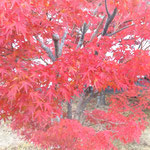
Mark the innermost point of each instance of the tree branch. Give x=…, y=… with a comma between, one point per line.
x=62, y=42
x=143, y=45
x=74, y=26
x=97, y=29
x=119, y=30
x=55, y=38
x=95, y=11
x=108, y=21
x=107, y=9
x=140, y=45
x=147, y=47
x=44, y=60
x=84, y=30
x=47, y=49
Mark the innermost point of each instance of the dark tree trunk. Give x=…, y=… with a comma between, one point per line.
x=101, y=99
x=69, y=110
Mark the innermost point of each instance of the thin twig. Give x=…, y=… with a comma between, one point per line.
x=97, y=29
x=119, y=30
x=95, y=11
x=120, y=24
x=140, y=46
x=84, y=30
x=44, y=60
x=72, y=30
x=107, y=9
x=144, y=44
x=127, y=21
x=147, y=47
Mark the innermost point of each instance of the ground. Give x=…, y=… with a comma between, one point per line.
x=9, y=140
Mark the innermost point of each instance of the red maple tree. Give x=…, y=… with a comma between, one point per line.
x=51, y=50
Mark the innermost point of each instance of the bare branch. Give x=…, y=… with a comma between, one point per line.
x=84, y=30
x=119, y=30
x=62, y=42
x=145, y=44
x=43, y=60
x=107, y=8
x=55, y=38
x=72, y=30
x=88, y=25
x=47, y=49
x=95, y=11
x=127, y=21
x=108, y=21
x=97, y=29
x=122, y=24
x=147, y=47
x=140, y=46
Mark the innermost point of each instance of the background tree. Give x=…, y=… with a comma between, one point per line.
x=73, y=40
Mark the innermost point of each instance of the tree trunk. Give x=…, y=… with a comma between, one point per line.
x=101, y=99
x=69, y=110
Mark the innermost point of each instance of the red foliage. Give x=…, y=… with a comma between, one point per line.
x=31, y=93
